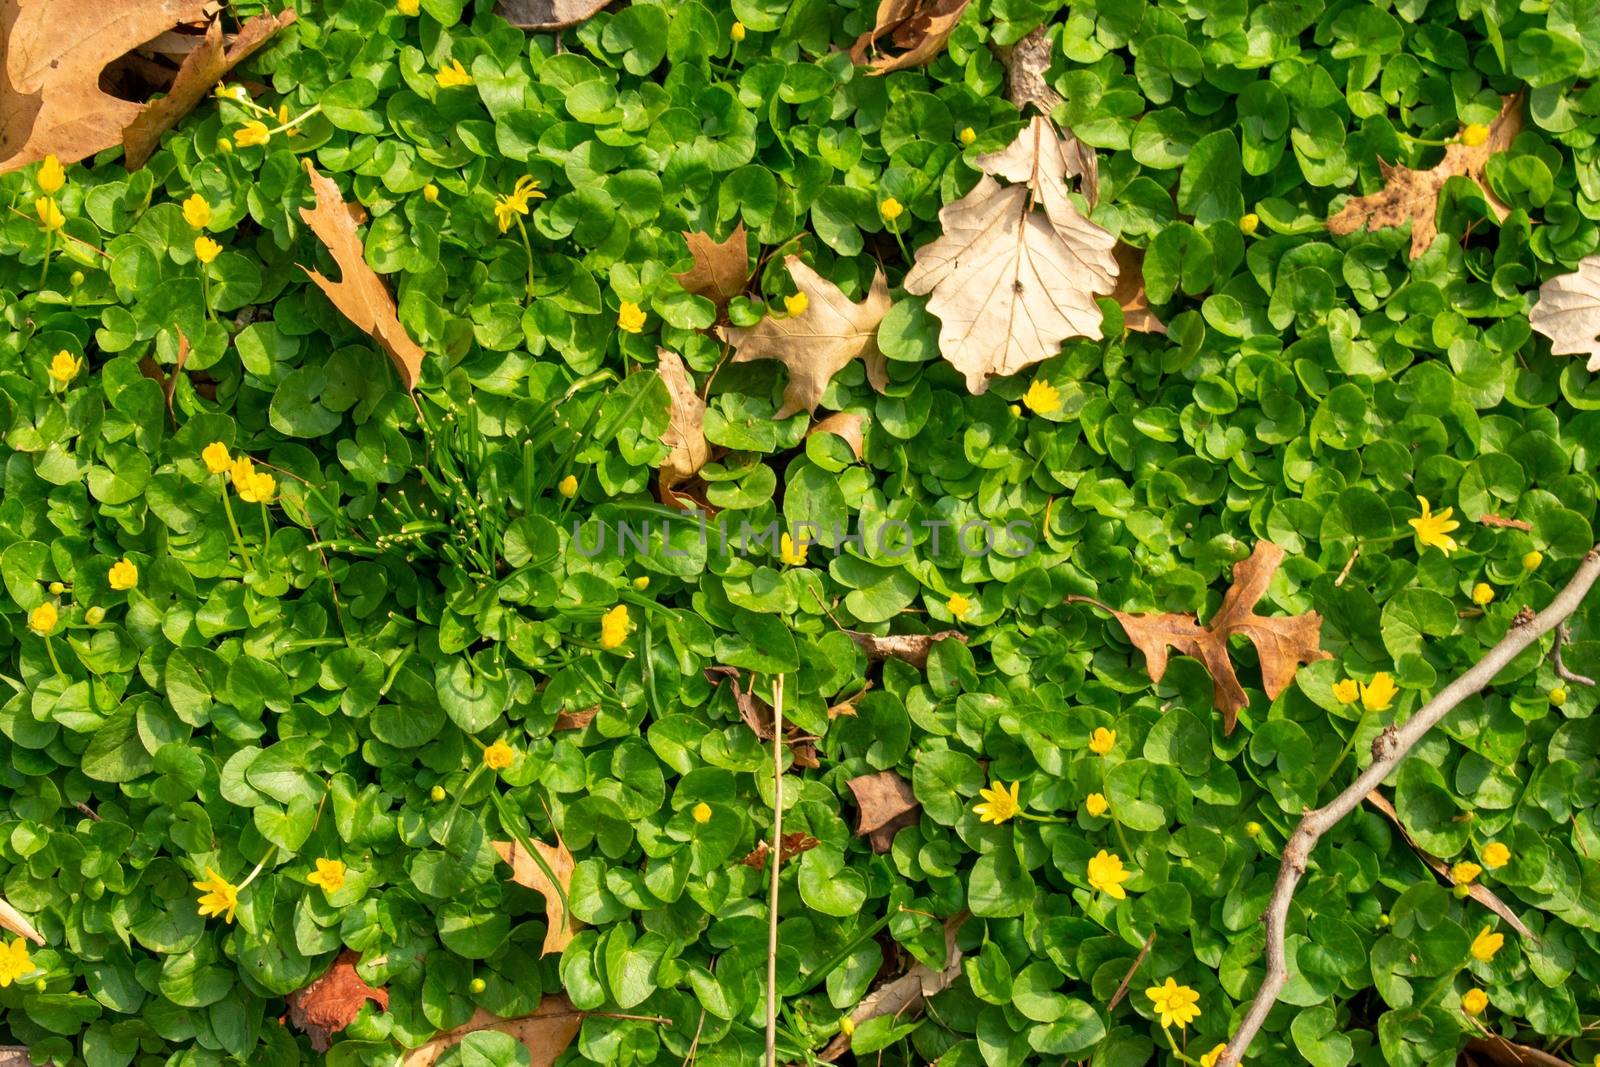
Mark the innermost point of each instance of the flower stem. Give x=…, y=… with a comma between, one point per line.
x=205, y=292
x=527, y=248
x=50, y=647
x=49, y=247
x=238, y=538
x=1041, y=818
x=1343, y=752
x=1105, y=789
x=266, y=530
x=894, y=228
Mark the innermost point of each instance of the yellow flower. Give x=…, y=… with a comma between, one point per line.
x=1210, y=1059
x=968, y=135
x=205, y=249
x=701, y=812
x=50, y=216
x=123, y=575
x=796, y=305
x=261, y=489
x=1473, y=135
x=958, y=606
x=252, y=133
x=1096, y=804
x=1465, y=872
x=14, y=960
x=42, y=619
x=1174, y=1003
x=1249, y=224
x=408, y=8
x=499, y=756
x=1486, y=944
x=430, y=193
x=614, y=627
x=216, y=456
x=329, y=875
x=891, y=209
x=1482, y=594
x=514, y=203
x=736, y=31
x=218, y=896
x=1106, y=874
x=1379, y=693
x=1347, y=691
x=243, y=470
x=1473, y=1001
x=453, y=75
x=1042, y=398
x=64, y=367
x=51, y=176
x=1102, y=740
x=1496, y=855
x=999, y=805
x=1531, y=561
x=568, y=486
x=197, y=212
x=630, y=317
x=793, y=554
x=1434, y=530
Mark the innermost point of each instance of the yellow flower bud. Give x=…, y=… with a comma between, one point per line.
x=1531, y=561
x=568, y=486
x=436, y=794
x=1249, y=224
x=642, y=582
x=408, y=8
x=205, y=249
x=95, y=615
x=796, y=305
x=51, y=176
x=1474, y=134
x=891, y=209
x=430, y=193
x=968, y=135
x=702, y=812
x=736, y=31
x=1482, y=594
x=1558, y=696
x=478, y=985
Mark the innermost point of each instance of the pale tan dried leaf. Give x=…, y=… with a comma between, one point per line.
x=721, y=268
x=546, y=1033
x=916, y=29
x=525, y=870
x=818, y=343
x=202, y=69
x=1414, y=194
x=1009, y=285
x=18, y=923
x=789, y=847
x=1027, y=63
x=903, y=996
x=360, y=295
x=1282, y=642
x=1130, y=294
x=329, y=1003
x=887, y=807
x=15, y=1056
x=845, y=425
x=912, y=648
x=53, y=52
x=1568, y=312
x=685, y=434
x=547, y=14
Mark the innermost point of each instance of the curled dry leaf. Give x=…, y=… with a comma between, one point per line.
x=202, y=69
x=915, y=29
x=1008, y=283
x=1130, y=294
x=1027, y=66
x=1568, y=312
x=721, y=268
x=53, y=52
x=789, y=847
x=1414, y=194
x=525, y=871
x=685, y=434
x=18, y=923
x=912, y=648
x=547, y=14
x=757, y=714
x=887, y=807
x=817, y=343
x=360, y=295
x=328, y=1005
x=845, y=425
x=905, y=995
x=1282, y=642
x=546, y=1033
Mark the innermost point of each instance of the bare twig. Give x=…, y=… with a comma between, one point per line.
x=777, y=850
x=1138, y=961
x=1390, y=747
x=1564, y=672
x=1492, y=519
x=1355, y=554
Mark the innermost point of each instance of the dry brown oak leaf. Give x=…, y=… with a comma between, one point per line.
x=328, y=1005
x=817, y=343
x=721, y=268
x=525, y=871
x=360, y=294
x=887, y=806
x=546, y=1033
x=685, y=434
x=1413, y=195
x=905, y=995
x=547, y=14
x=917, y=29
x=1568, y=312
x=1009, y=284
x=909, y=648
x=1283, y=642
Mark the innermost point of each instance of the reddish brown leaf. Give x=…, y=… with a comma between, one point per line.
x=915, y=29
x=546, y=1033
x=575, y=720
x=328, y=1005
x=721, y=268
x=1283, y=642
x=1129, y=293
x=887, y=807
x=912, y=648
x=845, y=425
x=525, y=870
x=789, y=847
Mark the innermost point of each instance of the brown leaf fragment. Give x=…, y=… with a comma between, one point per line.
x=757, y=714
x=1568, y=312
x=1491, y=519
x=525, y=871
x=1027, y=66
x=1283, y=642
x=53, y=52
x=685, y=434
x=1477, y=890
x=546, y=1033
x=790, y=846
x=575, y=720
x=15, y=1056
x=912, y=648
x=887, y=807
x=845, y=425
x=905, y=995
x=916, y=29
x=721, y=268
x=1496, y=1051
x=1414, y=194
x=817, y=343
x=360, y=295
x=547, y=14
x=329, y=1003
x=1129, y=293
x=13, y=920
x=202, y=69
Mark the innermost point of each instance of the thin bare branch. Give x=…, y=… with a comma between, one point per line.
x=1565, y=673
x=1390, y=747
x=1138, y=961
x=777, y=850
x=1492, y=519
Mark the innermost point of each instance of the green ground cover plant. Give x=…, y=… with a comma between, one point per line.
x=339, y=714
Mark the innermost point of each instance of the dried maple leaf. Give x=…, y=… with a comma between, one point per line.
x=685, y=434
x=1283, y=642
x=817, y=343
x=546, y=1033
x=887, y=807
x=1568, y=312
x=721, y=268
x=1008, y=284
x=360, y=294
x=790, y=846
x=202, y=69
x=902, y=996
x=1130, y=294
x=1414, y=194
x=327, y=1005
x=845, y=425
x=912, y=648
x=918, y=30
x=757, y=714
x=525, y=871
x=547, y=14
